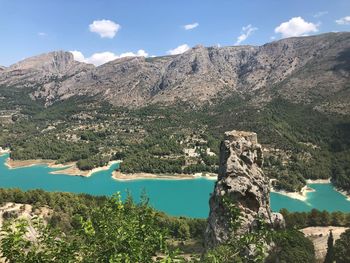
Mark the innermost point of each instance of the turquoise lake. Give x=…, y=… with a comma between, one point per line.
x=175, y=197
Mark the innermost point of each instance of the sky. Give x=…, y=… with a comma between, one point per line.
x=97, y=31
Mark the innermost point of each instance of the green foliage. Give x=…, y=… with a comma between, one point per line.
x=93, y=162
x=297, y=220
x=197, y=168
x=83, y=228
x=330, y=249
x=341, y=170
x=64, y=205
x=181, y=227
x=114, y=232
x=152, y=138
x=122, y=232
x=48, y=245
x=68, y=208
x=48, y=147
x=291, y=247
x=341, y=248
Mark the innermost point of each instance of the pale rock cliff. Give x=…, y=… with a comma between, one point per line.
x=242, y=182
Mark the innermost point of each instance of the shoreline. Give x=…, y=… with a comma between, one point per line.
x=73, y=170
x=319, y=181
x=302, y=195
x=344, y=193
x=117, y=175
x=14, y=164
x=328, y=181
x=70, y=169
x=4, y=151
x=67, y=168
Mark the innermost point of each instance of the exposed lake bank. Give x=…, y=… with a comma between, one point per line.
x=66, y=169
x=302, y=195
x=73, y=170
x=344, y=193
x=119, y=176
x=319, y=181
x=4, y=151
x=13, y=164
x=176, y=197
x=328, y=181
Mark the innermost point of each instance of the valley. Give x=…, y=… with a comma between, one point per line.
x=304, y=137
x=174, y=131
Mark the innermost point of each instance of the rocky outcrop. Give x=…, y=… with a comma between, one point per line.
x=312, y=69
x=43, y=75
x=242, y=182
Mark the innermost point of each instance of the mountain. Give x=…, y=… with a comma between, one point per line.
x=311, y=70
x=43, y=74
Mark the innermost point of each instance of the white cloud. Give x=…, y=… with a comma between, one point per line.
x=295, y=27
x=78, y=56
x=103, y=57
x=321, y=13
x=42, y=34
x=179, y=50
x=139, y=53
x=246, y=32
x=105, y=28
x=191, y=26
x=343, y=21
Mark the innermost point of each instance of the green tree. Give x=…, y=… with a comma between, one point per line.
x=341, y=248
x=330, y=249
x=115, y=232
x=291, y=246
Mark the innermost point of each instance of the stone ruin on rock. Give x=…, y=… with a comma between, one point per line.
x=242, y=181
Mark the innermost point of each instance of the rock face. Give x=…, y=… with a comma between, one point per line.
x=242, y=181
x=311, y=70
x=43, y=75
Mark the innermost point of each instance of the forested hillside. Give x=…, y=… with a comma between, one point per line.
x=300, y=143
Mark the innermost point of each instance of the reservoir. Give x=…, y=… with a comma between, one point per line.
x=175, y=197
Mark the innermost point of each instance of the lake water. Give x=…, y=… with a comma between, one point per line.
x=175, y=197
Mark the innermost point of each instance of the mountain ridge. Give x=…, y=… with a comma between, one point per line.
x=311, y=70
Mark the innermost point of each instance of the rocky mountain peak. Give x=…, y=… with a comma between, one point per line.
x=310, y=70
x=131, y=59
x=242, y=182
x=57, y=62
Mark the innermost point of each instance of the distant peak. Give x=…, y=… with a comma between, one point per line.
x=199, y=46
x=55, y=62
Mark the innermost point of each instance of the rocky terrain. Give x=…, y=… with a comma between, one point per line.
x=11, y=210
x=242, y=182
x=311, y=69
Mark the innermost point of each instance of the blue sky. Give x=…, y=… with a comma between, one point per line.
x=156, y=27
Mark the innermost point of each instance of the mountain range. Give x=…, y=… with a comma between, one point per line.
x=311, y=70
